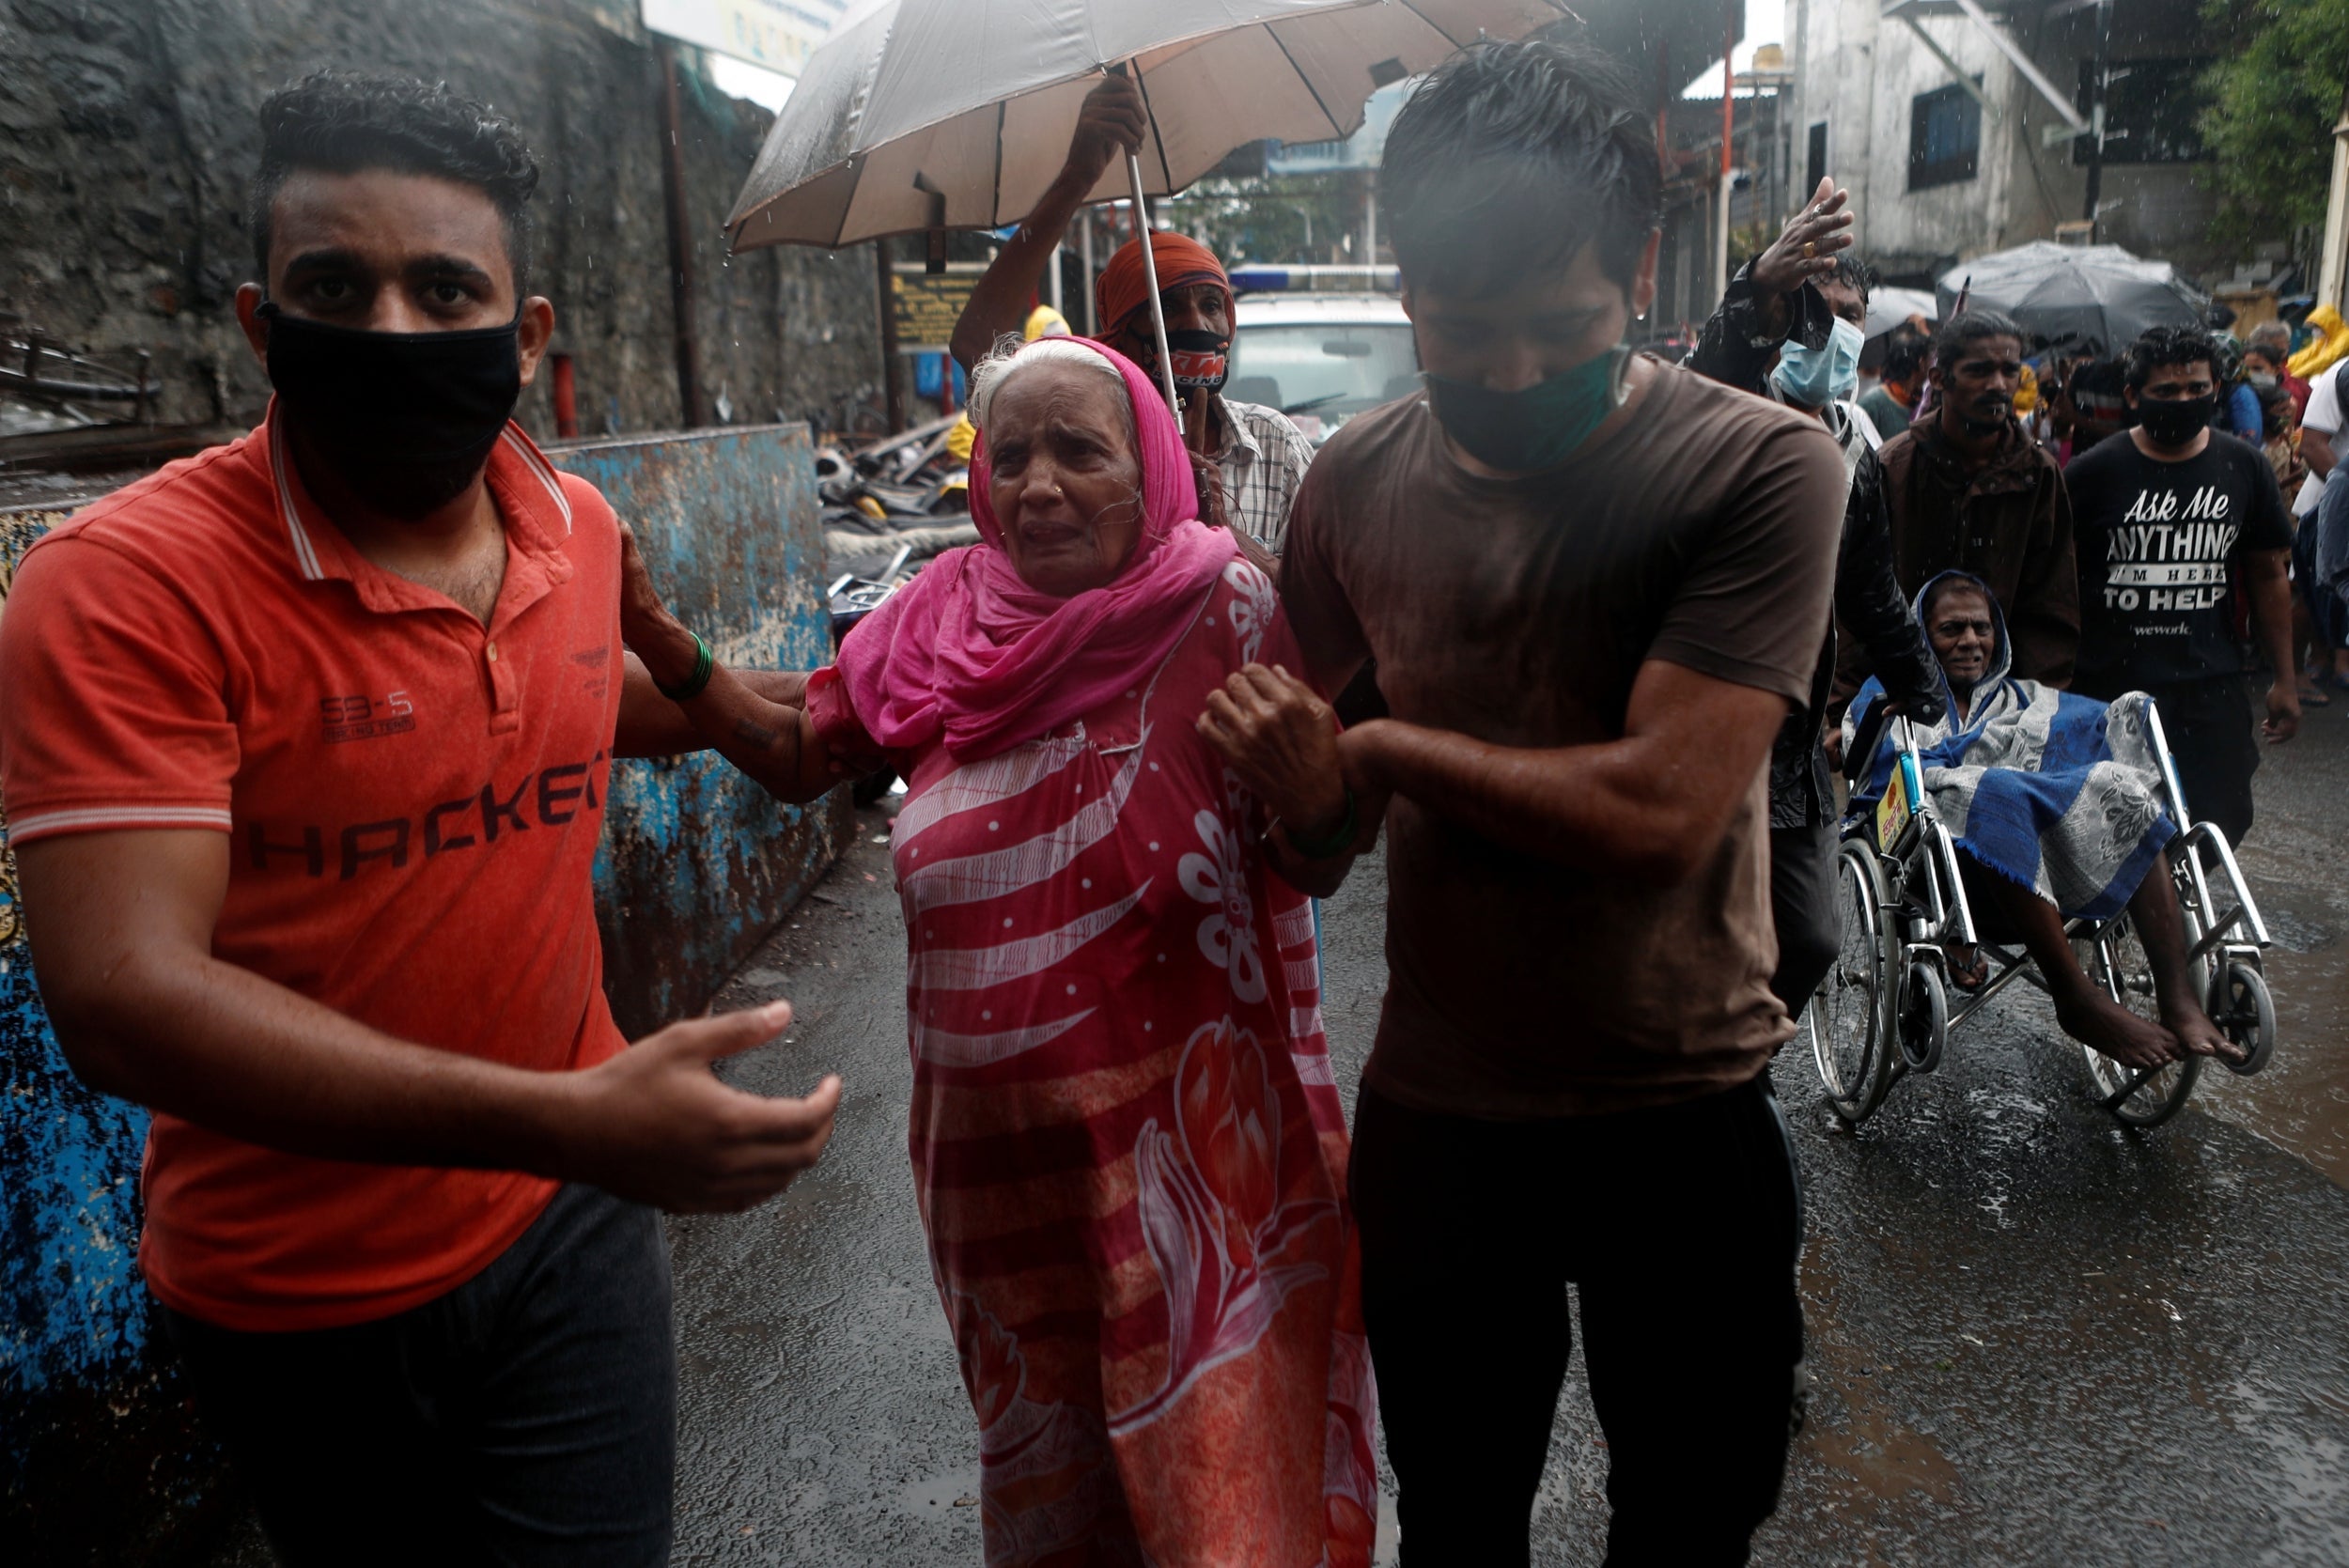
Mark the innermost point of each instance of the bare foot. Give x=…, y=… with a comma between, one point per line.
x=1969, y=971
x=2102, y=1024
x=2199, y=1034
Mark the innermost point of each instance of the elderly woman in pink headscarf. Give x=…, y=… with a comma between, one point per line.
x=1126, y=1143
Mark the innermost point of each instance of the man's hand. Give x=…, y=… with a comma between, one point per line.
x=2267, y=586
x=1805, y=250
x=2295, y=474
x=647, y=628
x=654, y=1125
x=2283, y=710
x=1283, y=741
x=1112, y=124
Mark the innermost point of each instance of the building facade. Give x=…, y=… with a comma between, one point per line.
x=1928, y=111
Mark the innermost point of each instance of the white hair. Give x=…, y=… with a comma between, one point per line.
x=1009, y=359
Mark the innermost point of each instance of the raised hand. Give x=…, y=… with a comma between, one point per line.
x=1112, y=124
x=1807, y=247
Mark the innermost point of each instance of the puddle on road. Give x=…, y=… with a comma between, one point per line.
x=1849, y=1433
x=1884, y=1459
x=2300, y=1101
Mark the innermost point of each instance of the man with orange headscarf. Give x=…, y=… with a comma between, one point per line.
x=1260, y=454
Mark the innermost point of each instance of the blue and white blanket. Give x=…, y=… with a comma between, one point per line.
x=2057, y=793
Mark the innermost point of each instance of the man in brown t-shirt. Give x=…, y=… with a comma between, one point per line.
x=1594, y=585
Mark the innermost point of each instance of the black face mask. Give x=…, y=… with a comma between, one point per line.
x=405, y=419
x=1202, y=359
x=2173, y=422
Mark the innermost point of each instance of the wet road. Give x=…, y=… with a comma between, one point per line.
x=2036, y=1338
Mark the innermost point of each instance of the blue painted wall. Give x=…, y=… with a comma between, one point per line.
x=100, y=1460
x=697, y=862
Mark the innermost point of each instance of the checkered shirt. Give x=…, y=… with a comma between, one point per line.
x=1264, y=460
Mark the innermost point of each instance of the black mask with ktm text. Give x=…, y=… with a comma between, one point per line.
x=406, y=420
x=1202, y=360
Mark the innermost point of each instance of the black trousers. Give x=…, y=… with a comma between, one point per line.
x=528, y=1416
x=1678, y=1228
x=1802, y=903
x=2215, y=740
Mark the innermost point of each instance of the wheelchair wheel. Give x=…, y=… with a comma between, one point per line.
x=1924, y=1019
x=2241, y=1005
x=1851, y=1015
x=2116, y=960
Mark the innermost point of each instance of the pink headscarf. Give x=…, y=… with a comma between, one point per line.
x=968, y=651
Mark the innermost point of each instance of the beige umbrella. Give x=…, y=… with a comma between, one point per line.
x=957, y=114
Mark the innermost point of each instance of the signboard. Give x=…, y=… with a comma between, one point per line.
x=779, y=35
x=929, y=303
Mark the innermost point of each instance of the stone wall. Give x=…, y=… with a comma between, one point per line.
x=127, y=136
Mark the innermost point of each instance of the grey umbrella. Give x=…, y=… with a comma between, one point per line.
x=2080, y=293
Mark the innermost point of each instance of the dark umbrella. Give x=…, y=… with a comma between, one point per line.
x=2077, y=293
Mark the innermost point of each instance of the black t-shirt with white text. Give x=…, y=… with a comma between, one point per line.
x=2160, y=550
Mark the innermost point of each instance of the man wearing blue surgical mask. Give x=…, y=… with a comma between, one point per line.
x=1588, y=641
x=1790, y=329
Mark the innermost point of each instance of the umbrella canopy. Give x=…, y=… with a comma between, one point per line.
x=1887, y=307
x=957, y=114
x=2078, y=292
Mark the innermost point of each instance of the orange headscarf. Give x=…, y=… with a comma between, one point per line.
x=1124, y=286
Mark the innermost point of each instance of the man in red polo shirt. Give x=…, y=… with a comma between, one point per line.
x=305, y=748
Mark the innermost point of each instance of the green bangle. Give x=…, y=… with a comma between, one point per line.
x=691, y=686
x=1337, y=843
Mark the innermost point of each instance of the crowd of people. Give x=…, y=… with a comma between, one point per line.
x=401, y=1188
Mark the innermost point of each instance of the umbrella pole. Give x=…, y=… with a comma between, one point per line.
x=1150, y=275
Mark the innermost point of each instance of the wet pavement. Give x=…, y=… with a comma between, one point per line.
x=2036, y=1338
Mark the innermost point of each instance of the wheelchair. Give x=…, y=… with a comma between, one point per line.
x=1884, y=1010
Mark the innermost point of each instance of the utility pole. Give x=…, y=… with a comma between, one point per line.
x=2102, y=69
x=682, y=292
x=1732, y=17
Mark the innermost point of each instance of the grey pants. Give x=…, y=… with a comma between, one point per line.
x=528, y=1416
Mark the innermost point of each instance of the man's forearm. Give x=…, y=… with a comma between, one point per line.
x=2316, y=450
x=653, y=727
x=1869, y=601
x=1592, y=807
x=255, y=1061
x=771, y=741
x=2271, y=615
x=1000, y=300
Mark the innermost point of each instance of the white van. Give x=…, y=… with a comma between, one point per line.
x=1318, y=357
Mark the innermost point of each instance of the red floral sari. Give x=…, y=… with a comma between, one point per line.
x=1128, y=1148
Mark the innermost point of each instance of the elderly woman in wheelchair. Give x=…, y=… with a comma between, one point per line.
x=2041, y=814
